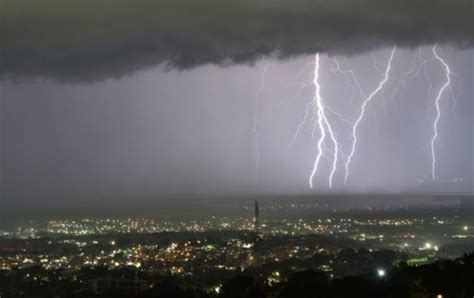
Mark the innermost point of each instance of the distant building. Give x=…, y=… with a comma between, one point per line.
x=256, y=218
x=257, y=241
x=103, y=285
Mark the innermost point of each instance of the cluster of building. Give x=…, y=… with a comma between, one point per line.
x=219, y=246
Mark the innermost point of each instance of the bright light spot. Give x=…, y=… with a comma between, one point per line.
x=112, y=242
x=217, y=289
x=381, y=272
x=465, y=228
x=247, y=245
x=428, y=245
x=439, y=296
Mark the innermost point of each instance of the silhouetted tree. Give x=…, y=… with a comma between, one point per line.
x=241, y=287
x=306, y=284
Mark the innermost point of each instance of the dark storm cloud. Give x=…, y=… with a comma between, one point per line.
x=93, y=39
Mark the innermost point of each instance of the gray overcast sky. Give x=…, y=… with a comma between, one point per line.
x=151, y=99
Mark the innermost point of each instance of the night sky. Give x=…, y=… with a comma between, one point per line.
x=153, y=99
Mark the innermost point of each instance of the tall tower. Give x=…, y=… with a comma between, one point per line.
x=256, y=219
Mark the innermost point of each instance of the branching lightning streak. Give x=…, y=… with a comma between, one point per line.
x=325, y=128
x=256, y=121
x=289, y=81
x=438, y=111
x=302, y=123
x=413, y=72
x=376, y=64
x=363, y=109
x=317, y=112
x=349, y=72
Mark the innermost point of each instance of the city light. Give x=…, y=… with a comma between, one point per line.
x=381, y=272
x=202, y=247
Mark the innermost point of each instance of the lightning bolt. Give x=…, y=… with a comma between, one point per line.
x=365, y=102
x=316, y=110
x=325, y=128
x=417, y=65
x=256, y=121
x=445, y=86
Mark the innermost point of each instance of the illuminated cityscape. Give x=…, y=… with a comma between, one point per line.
x=203, y=253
